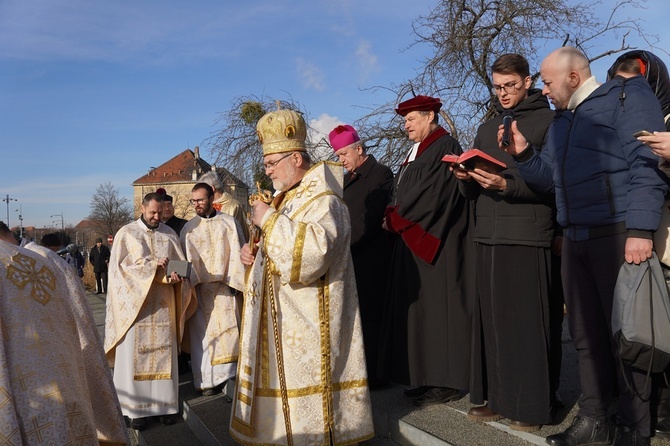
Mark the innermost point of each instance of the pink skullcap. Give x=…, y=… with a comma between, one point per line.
x=419, y=103
x=342, y=136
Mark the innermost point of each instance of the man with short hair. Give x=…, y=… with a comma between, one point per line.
x=146, y=310
x=511, y=352
x=301, y=376
x=211, y=242
x=99, y=258
x=51, y=241
x=224, y=202
x=367, y=185
x=609, y=194
x=168, y=216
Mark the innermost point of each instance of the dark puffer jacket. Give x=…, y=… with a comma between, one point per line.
x=656, y=74
x=517, y=215
x=601, y=173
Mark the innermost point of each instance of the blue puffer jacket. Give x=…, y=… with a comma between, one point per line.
x=600, y=172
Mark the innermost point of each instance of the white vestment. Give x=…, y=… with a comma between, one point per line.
x=55, y=384
x=301, y=376
x=145, y=320
x=212, y=245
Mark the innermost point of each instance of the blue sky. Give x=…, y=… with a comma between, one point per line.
x=95, y=91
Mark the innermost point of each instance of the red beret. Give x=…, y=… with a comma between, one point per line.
x=342, y=136
x=419, y=103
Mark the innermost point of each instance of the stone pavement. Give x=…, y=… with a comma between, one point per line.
x=397, y=422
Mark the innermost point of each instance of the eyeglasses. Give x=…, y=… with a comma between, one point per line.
x=273, y=165
x=509, y=87
x=198, y=200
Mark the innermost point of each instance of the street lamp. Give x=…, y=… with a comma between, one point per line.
x=62, y=226
x=7, y=200
x=20, y=210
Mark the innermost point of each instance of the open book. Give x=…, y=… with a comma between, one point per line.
x=475, y=158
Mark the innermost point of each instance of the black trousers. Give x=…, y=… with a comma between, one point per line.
x=590, y=270
x=101, y=281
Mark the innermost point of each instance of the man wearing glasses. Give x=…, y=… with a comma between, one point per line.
x=301, y=376
x=510, y=350
x=211, y=241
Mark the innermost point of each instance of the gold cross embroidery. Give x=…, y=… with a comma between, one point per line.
x=23, y=272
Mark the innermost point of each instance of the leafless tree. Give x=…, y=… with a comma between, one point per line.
x=109, y=211
x=235, y=145
x=468, y=35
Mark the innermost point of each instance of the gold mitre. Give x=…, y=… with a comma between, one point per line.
x=282, y=131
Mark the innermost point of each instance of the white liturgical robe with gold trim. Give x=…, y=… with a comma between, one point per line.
x=301, y=375
x=212, y=245
x=145, y=317
x=55, y=384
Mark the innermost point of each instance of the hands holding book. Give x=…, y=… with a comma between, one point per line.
x=479, y=166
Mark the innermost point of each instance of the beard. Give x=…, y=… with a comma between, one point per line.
x=283, y=186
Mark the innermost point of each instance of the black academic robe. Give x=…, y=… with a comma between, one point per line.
x=366, y=194
x=427, y=320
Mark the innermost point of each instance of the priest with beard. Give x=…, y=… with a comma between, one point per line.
x=212, y=241
x=146, y=310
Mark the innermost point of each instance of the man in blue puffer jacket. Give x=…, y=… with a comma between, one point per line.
x=609, y=194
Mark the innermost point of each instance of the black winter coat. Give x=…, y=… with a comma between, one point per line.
x=99, y=258
x=517, y=215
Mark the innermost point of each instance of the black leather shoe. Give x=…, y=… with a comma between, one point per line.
x=167, y=420
x=662, y=429
x=415, y=392
x=99, y=292
x=582, y=431
x=626, y=436
x=437, y=395
x=139, y=424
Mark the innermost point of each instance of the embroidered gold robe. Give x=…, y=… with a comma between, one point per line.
x=301, y=341
x=145, y=319
x=55, y=384
x=212, y=245
x=230, y=206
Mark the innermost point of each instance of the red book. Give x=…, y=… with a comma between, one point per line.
x=475, y=158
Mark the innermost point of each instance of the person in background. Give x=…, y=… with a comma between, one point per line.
x=99, y=258
x=511, y=318
x=75, y=259
x=431, y=285
x=168, y=217
x=367, y=185
x=225, y=202
x=51, y=241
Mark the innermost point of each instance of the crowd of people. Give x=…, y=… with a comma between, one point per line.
x=352, y=278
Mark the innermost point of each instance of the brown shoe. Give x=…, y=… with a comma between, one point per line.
x=523, y=427
x=482, y=414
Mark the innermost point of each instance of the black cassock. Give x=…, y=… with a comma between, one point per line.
x=426, y=337
x=367, y=194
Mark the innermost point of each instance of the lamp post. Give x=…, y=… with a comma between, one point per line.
x=62, y=226
x=20, y=210
x=7, y=200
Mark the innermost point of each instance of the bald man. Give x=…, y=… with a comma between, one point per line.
x=608, y=197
